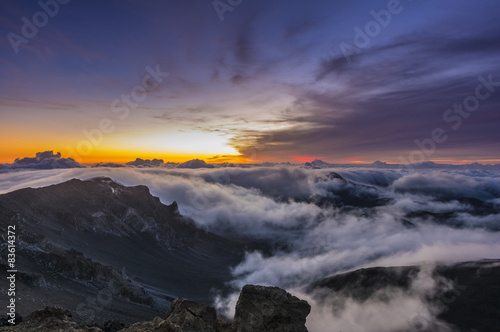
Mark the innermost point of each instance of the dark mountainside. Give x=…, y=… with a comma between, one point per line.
x=106, y=251
x=471, y=304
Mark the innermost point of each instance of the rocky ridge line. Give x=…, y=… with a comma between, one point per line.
x=259, y=308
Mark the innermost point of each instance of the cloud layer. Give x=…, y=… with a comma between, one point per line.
x=316, y=223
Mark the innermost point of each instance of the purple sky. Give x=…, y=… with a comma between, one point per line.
x=269, y=82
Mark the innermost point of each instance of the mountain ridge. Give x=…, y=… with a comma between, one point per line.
x=118, y=233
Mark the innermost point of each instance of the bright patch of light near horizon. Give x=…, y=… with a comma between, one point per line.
x=187, y=142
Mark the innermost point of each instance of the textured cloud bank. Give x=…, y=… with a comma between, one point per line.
x=319, y=222
x=44, y=160
x=483, y=186
x=139, y=162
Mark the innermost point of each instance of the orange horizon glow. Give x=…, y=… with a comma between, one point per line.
x=306, y=159
x=121, y=157
x=175, y=158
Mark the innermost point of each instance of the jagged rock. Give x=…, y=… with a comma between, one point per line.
x=113, y=326
x=269, y=309
x=259, y=308
x=183, y=316
x=157, y=325
x=191, y=316
x=50, y=319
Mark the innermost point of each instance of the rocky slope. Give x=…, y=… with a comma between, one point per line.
x=258, y=309
x=106, y=251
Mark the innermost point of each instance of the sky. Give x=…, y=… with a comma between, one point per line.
x=251, y=81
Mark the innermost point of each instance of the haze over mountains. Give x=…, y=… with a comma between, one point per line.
x=281, y=225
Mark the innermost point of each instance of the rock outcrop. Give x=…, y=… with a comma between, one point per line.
x=269, y=309
x=259, y=308
x=192, y=316
x=183, y=316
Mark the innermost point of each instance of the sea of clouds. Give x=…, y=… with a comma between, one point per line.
x=421, y=217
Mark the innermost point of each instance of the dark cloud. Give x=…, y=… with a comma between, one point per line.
x=425, y=48
x=278, y=182
x=238, y=79
x=299, y=27
x=195, y=163
x=243, y=47
x=45, y=160
x=390, y=95
x=375, y=125
x=146, y=163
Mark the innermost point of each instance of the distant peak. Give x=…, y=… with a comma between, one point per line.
x=195, y=163
x=103, y=179
x=174, y=207
x=316, y=163
x=139, y=162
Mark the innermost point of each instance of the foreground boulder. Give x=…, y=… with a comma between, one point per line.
x=269, y=309
x=259, y=308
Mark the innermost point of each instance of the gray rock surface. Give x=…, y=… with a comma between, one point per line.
x=259, y=309
x=50, y=319
x=191, y=316
x=269, y=309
